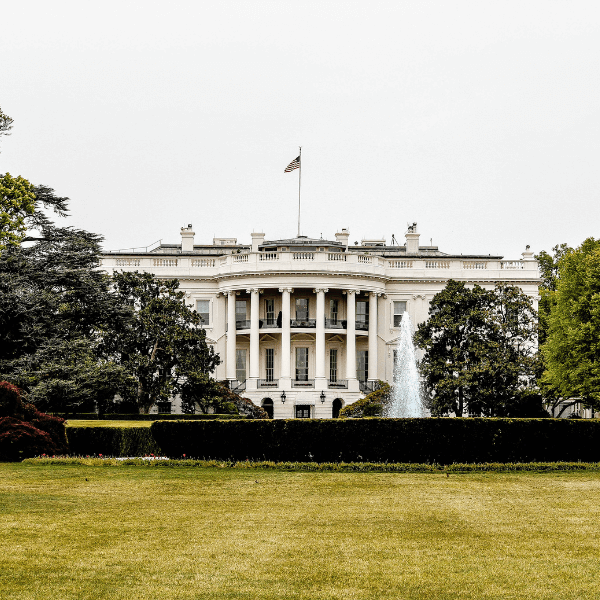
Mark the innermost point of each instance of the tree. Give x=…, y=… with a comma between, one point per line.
x=6, y=124
x=549, y=272
x=17, y=202
x=162, y=344
x=572, y=348
x=479, y=350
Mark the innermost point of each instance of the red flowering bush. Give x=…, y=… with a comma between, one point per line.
x=25, y=431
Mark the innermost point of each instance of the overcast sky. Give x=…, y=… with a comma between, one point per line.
x=478, y=120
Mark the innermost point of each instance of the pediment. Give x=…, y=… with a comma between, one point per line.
x=303, y=337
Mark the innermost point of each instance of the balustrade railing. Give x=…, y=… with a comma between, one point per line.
x=267, y=256
x=336, y=256
x=164, y=262
x=437, y=264
x=400, y=264
x=303, y=322
x=303, y=383
x=128, y=262
x=268, y=383
x=365, y=260
x=368, y=386
x=474, y=264
x=303, y=255
x=242, y=324
x=335, y=324
x=203, y=262
x=240, y=258
x=512, y=264
x=362, y=325
x=338, y=384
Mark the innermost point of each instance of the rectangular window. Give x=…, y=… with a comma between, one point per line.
x=240, y=313
x=303, y=411
x=362, y=312
x=270, y=311
x=203, y=309
x=362, y=365
x=399, y=310
x=301, y=364
x=302, y=309
x=333, y=365
x=240, y=364
x=270, y=362
x=333, y=311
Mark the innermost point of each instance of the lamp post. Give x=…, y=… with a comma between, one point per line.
x=322, y=397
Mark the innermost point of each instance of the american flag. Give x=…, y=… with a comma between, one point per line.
x=295, y=164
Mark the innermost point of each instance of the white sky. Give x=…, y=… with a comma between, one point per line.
x=478, y=120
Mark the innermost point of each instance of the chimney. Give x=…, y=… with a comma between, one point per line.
x=187, y=239
x=257, y=240
x=343, y=237
x=412, y=240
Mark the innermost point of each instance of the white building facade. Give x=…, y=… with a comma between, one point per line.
x=306, y=326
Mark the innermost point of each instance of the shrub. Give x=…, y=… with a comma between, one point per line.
x=10, y=399
x=27, y=430
x=433, y=440
x=111, y=441
x=19, y=440
x=372, y=405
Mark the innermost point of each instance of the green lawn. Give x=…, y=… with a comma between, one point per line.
x=151, y=532
x=98, y=423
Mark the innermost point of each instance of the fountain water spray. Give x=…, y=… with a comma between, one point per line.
x=406, y=395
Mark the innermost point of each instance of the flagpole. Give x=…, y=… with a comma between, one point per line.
x=299, y=184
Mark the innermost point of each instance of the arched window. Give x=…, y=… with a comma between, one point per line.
x=267, y=404
x=336, y=407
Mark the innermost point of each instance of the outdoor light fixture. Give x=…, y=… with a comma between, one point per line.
x=322, y=396
x=283, y=397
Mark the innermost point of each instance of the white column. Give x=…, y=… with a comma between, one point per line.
x=350, y=337
x=254, y=337
x=285, y=376
x=373, y=375
x=231, y=336
x=320, y=380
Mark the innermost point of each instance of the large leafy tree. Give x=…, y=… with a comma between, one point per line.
x=453, y=340
x=163, y=344
x=479, y=350
x=572, y=347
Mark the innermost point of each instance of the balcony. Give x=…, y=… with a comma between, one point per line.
x=244, y=324
x=268, y=383
x=303, y=383
x=338, y=384
x=335, y=324
x=362, y=325
x=269, y=323
x=303, y=323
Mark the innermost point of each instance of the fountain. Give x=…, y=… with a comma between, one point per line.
x=406, y=395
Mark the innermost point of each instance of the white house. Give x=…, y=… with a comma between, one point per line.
x=306, y=326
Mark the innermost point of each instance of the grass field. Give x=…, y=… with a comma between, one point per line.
x=137, y=532
x=97, y=423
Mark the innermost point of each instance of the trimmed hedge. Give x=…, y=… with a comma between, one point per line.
x=152, y=417
x=432, y=440
x=158, y=462
x=111, y=441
